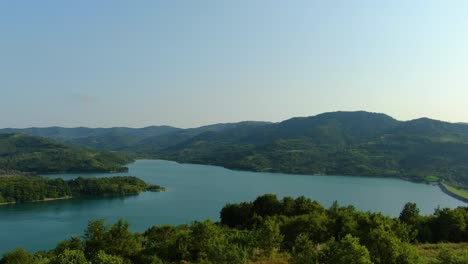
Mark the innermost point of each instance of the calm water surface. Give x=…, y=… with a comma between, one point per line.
x=198, y=192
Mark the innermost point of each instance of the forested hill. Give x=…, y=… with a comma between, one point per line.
x=124, y=138
x=341, y=143
x=19, y=152
x=113, y=138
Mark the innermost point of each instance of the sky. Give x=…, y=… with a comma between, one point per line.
x=191, y=63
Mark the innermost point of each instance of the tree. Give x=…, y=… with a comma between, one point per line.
x=409, y=214
x=160, y=241
x=342, y=221
x=304, y=251
x=451, y=225
x=266, y=205
x=312, y=225
x=70, y=257
x=346, y=251
x=95, y=237
x=72, y=243
x=17, y=256
x=386, y=248
x=269, y=236
x=103, y=258
x=202, y=235
x=120, y=241
x=236, y=215
x=303, y=205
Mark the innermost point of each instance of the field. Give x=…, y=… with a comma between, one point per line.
x=431, y=178
x=450, y=252
x=462, y=193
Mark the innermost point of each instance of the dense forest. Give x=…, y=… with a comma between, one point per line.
x=269, y=230
x=338, y=143
x=40, y=155
x=14, y=189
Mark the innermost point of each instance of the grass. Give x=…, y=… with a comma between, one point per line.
x=462, y=193
x=431, y=178
x=271, y=261
x=429, y=252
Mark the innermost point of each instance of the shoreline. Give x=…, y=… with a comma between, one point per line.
x=444, y=189
x=161, y=189
x=43, y=200
x=293, y=173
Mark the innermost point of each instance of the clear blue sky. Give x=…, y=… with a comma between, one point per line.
x=190, y=63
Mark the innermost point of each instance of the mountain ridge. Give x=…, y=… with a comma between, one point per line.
x=345, y=143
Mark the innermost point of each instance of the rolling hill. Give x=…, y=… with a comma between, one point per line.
x=19, y=152
x=114, y=138
x=336, y=143
x=341, y=143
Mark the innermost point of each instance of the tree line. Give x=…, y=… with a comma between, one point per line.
x=20, y=188
x=298, y=231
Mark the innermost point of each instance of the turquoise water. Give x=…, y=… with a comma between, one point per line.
x=197, y=192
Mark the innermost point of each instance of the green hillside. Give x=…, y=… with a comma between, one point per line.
x=341, y=143
x=19, y=152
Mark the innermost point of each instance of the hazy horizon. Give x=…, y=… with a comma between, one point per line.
x=189, y=64
x=169, y=125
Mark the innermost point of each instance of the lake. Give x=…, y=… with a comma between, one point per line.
x=198, y=192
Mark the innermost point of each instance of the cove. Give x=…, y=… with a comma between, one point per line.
x=198, y=192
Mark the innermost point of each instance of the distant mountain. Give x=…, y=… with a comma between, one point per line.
x=147, y=140
x=118, y=139
x=153, y=146
x=115, y=138
x=19, y=152
x=56, y=133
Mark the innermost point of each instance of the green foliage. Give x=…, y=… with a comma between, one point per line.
x=300, y=231
x=431, y=178
x=18, y=256
x=103, y=258
x=32, y=188
x=269, y=237
x=304, y=251
x=386, y=248
x=448, y=256
x=266, y=205
x=114, y=240
x=165, y=242
x=33, y=154
x=70, y=257
x=342, y=143
x=410, y=214
x=210, y=243
x=444, y=253
x=346, y=251
x=450, y=225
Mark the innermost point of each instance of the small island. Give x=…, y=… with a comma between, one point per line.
x=26, y=188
